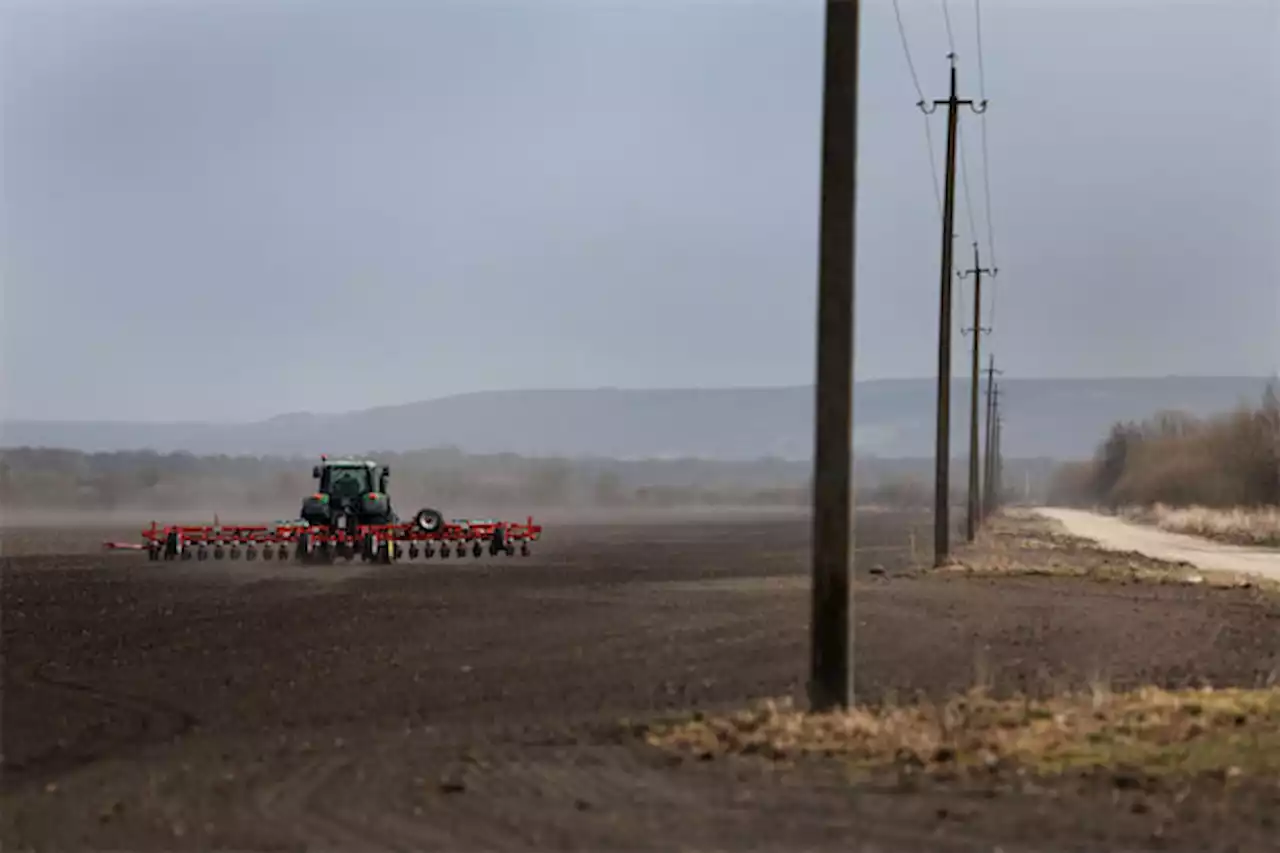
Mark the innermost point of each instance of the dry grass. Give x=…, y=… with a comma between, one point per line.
x=1147, y=733
x=1022, y=543
x=1257, y=527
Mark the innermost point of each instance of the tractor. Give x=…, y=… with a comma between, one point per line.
x=349, y=515
x=349, y=500
x=352, y=493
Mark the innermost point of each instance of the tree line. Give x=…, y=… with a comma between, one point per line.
x=1174, y=459
x=33, y=478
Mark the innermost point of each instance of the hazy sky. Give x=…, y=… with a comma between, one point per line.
x=229, y=210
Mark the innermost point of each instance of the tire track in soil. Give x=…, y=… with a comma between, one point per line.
x=520, y=798
x=151, y=721
x=290, y=799
x=345, y=802
x=592, y=797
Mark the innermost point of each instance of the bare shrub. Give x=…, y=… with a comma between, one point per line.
x=1175, y=460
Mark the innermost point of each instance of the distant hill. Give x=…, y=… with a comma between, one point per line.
x=1058, y=418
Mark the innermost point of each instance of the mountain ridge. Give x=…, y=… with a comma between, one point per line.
x=1058, y=418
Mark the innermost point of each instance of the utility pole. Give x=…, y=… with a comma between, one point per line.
x=830, y=682
x=942, y=450
x=989, y=503
x=975, y=487
x=989, y=435
x=997, y=476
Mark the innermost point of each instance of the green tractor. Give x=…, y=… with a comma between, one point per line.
x=353, y=493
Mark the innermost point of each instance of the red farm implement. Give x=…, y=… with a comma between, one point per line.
x=383, y=543
x=349, y=516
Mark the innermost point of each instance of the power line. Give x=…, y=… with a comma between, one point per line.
x=946, y=16
x=991, y=311
x=933, y=164
x=982, y=73
x=964, y=162
x=928, y=129
x=906, y=49
x=964, y=175
x=986, y=158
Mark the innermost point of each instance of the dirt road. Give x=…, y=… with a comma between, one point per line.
x=1120, y=535
x=476, y=704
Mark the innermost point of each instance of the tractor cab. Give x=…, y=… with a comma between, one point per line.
x=349, y=478
x=349, y=491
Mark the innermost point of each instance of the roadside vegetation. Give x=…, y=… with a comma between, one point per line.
x=1242, y=526
x=1140, y=738
x=1020, y=543
x=1215, y=477
x=1143, y=740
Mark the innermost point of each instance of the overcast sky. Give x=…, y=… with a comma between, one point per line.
x=233, y=209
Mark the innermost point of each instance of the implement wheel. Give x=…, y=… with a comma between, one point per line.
x=302, y=553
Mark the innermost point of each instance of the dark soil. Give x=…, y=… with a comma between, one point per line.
x=475, y=704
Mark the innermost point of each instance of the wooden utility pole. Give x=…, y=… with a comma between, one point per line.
x=975, y=486
x=989, y=435
x=942, y=450
x=830, y=684
x=997, y=462
x=992, y=452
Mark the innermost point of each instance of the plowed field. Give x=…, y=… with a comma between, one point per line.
x=475, y=704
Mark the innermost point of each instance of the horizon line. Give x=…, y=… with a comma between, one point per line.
x=610, y=388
